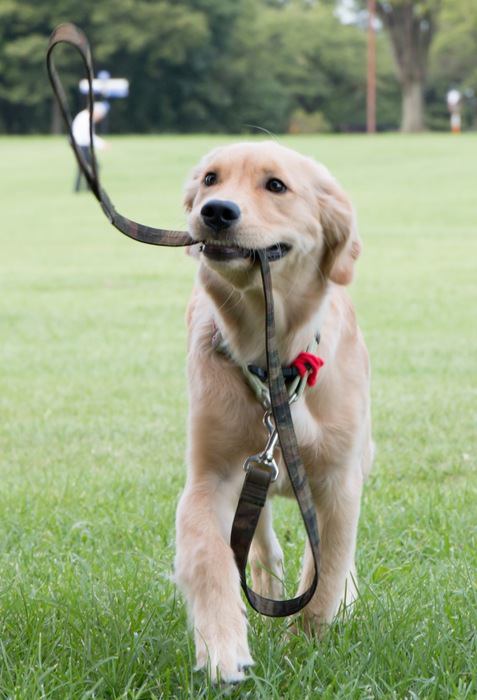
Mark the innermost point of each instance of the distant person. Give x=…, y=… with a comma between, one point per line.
x=454, y=105
x=81, y=135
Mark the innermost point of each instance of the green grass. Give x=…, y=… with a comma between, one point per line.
x=92, y=431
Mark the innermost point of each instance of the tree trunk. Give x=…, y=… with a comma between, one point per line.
x=412, y=107
x=411, y=27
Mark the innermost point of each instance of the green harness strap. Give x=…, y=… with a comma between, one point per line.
x=295, y=388
x=260, y=388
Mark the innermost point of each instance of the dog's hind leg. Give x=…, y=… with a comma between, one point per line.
x=266, y=558
x=208, y=576
x=338, y=512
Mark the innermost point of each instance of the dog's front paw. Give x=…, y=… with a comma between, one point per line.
x=224, y=666
x=224, y=656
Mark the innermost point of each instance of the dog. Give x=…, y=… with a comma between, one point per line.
x=241, y=198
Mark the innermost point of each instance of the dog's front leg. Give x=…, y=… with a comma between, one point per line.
x=338, y=509
x=208, y=576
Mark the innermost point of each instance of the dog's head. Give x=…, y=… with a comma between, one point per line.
x=262, y=195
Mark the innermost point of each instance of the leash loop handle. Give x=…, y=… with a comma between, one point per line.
x=69, y=33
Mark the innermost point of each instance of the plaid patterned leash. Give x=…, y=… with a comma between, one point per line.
x=259, y=476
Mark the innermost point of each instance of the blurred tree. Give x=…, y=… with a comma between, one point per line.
x=203, y=65
x=322, y=63
x=136, y=38
x=453, y=62
x=411, y=26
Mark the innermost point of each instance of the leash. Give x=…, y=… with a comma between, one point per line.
x=260, y=471
x=260, y=474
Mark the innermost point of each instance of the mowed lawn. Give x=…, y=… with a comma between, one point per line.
x=92, y=431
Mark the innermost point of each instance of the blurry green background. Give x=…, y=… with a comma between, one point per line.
x=223, y=65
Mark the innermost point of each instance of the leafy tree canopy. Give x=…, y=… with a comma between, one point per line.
x=203, y=65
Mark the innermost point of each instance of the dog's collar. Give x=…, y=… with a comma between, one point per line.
x=302, y=372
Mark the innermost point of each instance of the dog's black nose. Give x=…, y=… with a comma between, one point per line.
x=219, y=214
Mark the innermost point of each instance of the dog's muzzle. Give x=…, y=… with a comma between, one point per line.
x=221, y=214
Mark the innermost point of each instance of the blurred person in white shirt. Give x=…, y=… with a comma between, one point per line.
x=80, y=130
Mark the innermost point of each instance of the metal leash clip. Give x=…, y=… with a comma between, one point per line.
x=266, y=458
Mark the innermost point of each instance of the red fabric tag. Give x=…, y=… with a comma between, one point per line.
x=306, y=362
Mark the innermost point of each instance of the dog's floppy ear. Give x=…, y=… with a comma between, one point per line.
x=190, y=191
x=192, y=187
x=338, y=219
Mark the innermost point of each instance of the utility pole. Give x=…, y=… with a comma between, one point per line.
x=371, y=82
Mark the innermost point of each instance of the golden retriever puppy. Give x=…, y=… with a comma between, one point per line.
x=241, y=198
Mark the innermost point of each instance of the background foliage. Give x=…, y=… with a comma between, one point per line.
x=202, y=65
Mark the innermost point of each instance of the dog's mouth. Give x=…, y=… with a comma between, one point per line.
x=221, y=251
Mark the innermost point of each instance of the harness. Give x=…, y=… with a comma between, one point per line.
x=261, y=469
x=302, y=372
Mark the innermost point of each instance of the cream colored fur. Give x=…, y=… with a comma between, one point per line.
x=332, y=420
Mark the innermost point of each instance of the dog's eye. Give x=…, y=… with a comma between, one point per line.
x=210, y=179
x=276, y=185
